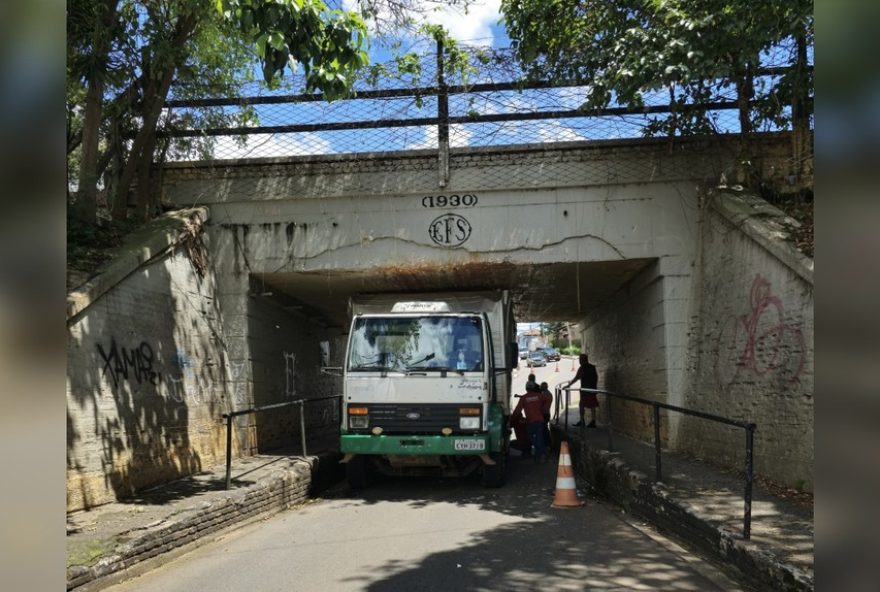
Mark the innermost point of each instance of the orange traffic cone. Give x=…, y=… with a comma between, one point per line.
x=566, y=496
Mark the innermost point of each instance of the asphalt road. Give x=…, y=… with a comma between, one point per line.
x=440, y=534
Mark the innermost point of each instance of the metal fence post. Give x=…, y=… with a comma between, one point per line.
x=228, y=450
x=657, y=441
x=302, y=427
x=443, y=120
x=610, y=426
x=556, y=403
x=567, y=405
x=747, y=513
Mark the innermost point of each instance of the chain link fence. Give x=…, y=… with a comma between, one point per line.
x=402, y=105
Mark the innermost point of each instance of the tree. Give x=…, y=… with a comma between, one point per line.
x=124, y=55
x=555, y=329
x=696, y=50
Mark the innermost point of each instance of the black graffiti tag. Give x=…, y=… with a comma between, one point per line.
x=119, y=362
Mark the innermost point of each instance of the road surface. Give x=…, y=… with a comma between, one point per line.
x=417, y=534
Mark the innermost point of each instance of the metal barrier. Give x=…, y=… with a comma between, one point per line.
x=749, y=427
x=302, y=425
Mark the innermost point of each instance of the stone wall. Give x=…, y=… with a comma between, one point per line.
x=161, y=345
x=148, y=377
x=752, y=342
x=276, y=352
x=625, y=340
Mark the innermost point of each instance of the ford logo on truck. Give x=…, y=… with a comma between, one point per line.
x=413, y=415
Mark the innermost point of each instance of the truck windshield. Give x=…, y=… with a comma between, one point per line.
x=418, y=344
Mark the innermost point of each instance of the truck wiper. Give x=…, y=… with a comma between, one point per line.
x=430, y=356
x=371, y=369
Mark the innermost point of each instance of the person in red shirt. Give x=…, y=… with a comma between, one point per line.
x=531, y=405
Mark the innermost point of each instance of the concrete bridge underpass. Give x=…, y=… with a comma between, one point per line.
x=681, y=291
x=604, y=234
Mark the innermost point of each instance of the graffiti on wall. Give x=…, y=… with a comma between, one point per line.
x=761, y=342
x=190, y=386
x=134, y=363
x=236, y=378
x=185, y=381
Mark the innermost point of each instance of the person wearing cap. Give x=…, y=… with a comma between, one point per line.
x=531, y=405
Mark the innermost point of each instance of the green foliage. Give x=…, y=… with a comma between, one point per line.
x=88, y=245
x=574, y=350
x=456, y=60
x=329, y=45
x=124, y=55
x=553, y=329
x=694, y=48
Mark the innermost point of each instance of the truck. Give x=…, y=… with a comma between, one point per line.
x=427, y=384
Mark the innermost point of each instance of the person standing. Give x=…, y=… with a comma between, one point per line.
x=531, y=405
x=589, y=380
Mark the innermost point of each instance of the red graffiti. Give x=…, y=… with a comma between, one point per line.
x=761, y=341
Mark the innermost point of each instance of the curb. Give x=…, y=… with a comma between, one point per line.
x=151, y=548
x=608, y=474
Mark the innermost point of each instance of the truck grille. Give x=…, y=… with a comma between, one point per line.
x=403, y=418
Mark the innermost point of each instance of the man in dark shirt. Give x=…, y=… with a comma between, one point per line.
x=589, y=380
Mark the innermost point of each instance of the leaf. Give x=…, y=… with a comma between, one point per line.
x=261, y=45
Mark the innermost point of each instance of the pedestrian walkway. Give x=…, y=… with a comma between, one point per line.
x=119, y=540
x=782, y=520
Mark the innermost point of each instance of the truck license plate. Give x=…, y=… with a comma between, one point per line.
x=470, y=444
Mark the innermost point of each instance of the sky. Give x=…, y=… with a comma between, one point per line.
x=479, y=26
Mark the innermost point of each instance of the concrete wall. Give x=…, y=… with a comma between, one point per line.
x=275, y=352
x=148, y=380
x=752, y=346
x=637, y=342
x=158, y=353
x=625, y=340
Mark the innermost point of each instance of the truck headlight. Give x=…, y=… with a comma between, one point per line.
x=358, y=421
x=469, y=423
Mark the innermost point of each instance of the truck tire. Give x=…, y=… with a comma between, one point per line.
x=356, y=473
x=495, y=475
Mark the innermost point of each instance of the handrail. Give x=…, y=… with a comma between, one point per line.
x=748, y=426
x=302, y=423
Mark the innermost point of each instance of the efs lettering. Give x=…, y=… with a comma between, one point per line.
x=449, y=230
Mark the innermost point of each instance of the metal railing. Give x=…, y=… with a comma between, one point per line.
x=748, y=426
x=302, y=425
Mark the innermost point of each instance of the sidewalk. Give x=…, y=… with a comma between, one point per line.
x=120, y=540
x=702, y=505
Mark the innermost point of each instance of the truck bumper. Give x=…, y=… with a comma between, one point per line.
x=415, y=445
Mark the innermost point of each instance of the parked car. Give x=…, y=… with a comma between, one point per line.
x=536, y=358
x=523, y=354
x=551, y=354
